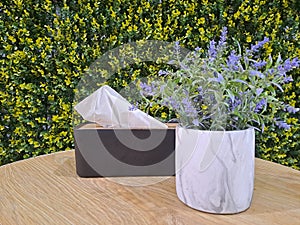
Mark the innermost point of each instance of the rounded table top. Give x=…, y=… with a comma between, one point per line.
x=47, y=190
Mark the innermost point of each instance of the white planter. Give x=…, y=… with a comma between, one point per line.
x=215, y=169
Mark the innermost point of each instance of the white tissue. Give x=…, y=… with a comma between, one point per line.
x=108, y=108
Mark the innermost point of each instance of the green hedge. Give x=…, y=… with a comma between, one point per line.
x=46, y=46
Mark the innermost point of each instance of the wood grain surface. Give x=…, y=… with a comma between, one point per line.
x=46, y=190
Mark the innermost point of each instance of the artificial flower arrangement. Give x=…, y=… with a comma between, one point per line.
x=224, y=88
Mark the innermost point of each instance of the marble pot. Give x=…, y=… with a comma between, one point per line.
x=215, y=169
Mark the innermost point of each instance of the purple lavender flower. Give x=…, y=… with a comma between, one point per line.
x=260, y=105
x=162, y=73
x=295, y=62
x=259, y=91
x=288, y=65
x=281, y=70
x=270, y=71
x=212, y=51
x=257, y=73
x=233, y=103
x=223, y=37
x=200, y=90
x=199, y=97
x=171, y=102
x=291, y=109
x=196, y=99
x=255, y=48
x=288, y=79
x=259, y=64
x=218, y=78
x=196, y=53
x=189, y=108
x=147, y=89
x=133, y=107
x=283, y=125
x=197, y=49
x=177, y=46
x=233, y=61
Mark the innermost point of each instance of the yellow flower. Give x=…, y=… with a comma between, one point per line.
x=247, y=17
x=237, y=15
x=204, y=107
x=68, y=81
x=201, y=20
x=164, y=115
x=248, y=39
x=51, y=98
x=12, y=39
x=36, y=144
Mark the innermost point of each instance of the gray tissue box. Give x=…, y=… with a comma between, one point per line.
x=107, y=152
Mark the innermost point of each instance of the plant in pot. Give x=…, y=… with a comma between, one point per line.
x=220, y=96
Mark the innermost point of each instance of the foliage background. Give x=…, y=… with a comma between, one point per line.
x=47, y=45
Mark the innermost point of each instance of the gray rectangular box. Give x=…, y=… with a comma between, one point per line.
x=107, y=152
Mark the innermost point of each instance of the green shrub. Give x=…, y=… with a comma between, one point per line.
x=46, y=46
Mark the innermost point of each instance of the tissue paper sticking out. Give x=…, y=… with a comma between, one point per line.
x=108, y=108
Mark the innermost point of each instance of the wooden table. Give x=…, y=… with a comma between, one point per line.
x=46, y=190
